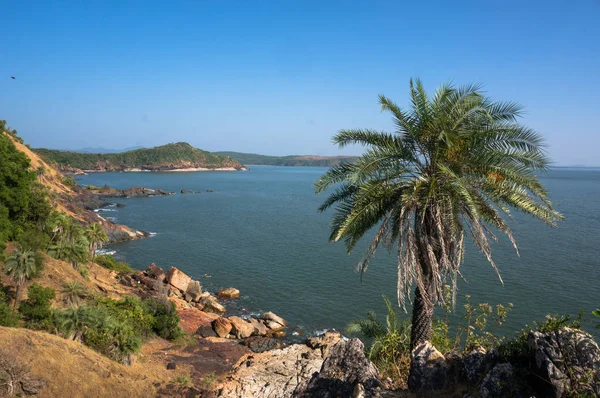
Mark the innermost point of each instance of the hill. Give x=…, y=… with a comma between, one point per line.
x=65, y=196
x=291, y=160
x=179, y=156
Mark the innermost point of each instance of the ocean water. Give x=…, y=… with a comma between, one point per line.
x=259, y=231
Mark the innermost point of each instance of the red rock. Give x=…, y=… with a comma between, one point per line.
x=191, y=319
x=154, y=271
x=178, y=279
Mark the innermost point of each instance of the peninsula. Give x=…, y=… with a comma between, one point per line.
x=179, y=156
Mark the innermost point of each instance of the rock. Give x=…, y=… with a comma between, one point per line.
x=563, y=356
x=205, y=331
x=120, y=205
x=222, y=327
x=261, y=344
x=324, y=342
x=154, y=271
x=429, y=370
x=210, y=304
x=31, y=385
x=241, y=329
x=497, y=383
x=191, y=319
x=171, y=366
x=178, y=279
x=274, y=326
x=278, y=334
x=273, y=374
x=185, y=191
x=269, y=316
x=473, y=365
x=259, y=328
x=342, y=372
x=194, y=290
x=229, y=293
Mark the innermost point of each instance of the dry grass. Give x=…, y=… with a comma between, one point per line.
x=73, y=370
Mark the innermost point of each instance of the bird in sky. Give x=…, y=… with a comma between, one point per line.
x=12, y=77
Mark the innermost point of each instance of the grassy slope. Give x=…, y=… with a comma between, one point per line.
x=292, y=160
x=165, y=157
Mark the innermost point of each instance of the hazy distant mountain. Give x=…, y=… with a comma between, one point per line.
x=291, y=160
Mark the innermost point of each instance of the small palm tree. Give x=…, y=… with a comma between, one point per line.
x=456, y=164
x=73, y=292
x=20, y=266
x=96, y=237
x=73, y=252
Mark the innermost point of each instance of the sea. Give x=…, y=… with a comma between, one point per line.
x=260, y=232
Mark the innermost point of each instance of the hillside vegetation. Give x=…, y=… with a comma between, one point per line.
x=291, y=160
x=172, y=156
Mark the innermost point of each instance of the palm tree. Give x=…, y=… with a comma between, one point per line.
x=96, y=236
x=20, y=265
x=455, y=165
x=73, y=252
x=73, y=292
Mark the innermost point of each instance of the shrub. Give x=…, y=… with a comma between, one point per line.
x=36, y=309
x=110, y=262
x=84, y=271
x=596, y=313
x=166, y=320
x=8, y=317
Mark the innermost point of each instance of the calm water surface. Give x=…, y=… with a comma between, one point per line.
x=260, y=231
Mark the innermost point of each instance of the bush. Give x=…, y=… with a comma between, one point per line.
x=116, y=328
x=8, y=317
x=166, y=320
x=36, y=309
x=110, y=262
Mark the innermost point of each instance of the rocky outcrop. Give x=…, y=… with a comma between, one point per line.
x=241, y=329
x=566, y=361
x=346, y=370
x=273, y=374
x=136, y=192
x=429, y=370
x=498, y=382
x=155, y=272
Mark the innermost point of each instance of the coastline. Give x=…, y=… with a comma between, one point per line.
x=190, y=169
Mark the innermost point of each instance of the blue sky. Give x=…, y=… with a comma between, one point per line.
x=280, y=77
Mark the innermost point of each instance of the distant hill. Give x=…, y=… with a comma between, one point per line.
x=102, y=150
x=291, y=160
x=174, y=156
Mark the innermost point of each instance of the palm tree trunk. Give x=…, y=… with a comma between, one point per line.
x=17, y=291
x=422, y=320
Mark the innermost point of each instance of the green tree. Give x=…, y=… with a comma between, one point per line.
x=96, y=237
x=73, y=252
x=20, y=265
x=456, y=164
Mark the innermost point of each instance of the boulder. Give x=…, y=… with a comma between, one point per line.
x=473, y=365
x=324, y=342
x=222, y=327
x=241, y=329
x=260, y=344
x=194, y=291
x=191, y=319
x=274, y=326
x=565, y=360
x=278, y=334
x=269, y=316
x=178, y=279
x=154, y=271
x=345, y=371
x=497, y=383
x=429, y=370
x=210, y=304
x=259, y=328
x=229, y=293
